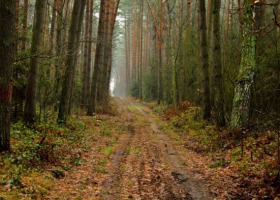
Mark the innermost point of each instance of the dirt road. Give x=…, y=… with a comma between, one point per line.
x=146, y=163
x=130, y=156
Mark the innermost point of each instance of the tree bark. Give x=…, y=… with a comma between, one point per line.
x=134, y=43
x=101, y=86
x=104, y=81
x=72, y=48
x=205, y=62
x=140, y=50
x=86, y=56
x=242, y=96
x=89, y=51
x=37, y=37
x=127, y=52
x=7, y=51
x=159, y=43
x=227, y=18
x=98, y=58
x=24, y=24
x=217, y=70
x=75, y=56
x=52, y=31
x=240, y=15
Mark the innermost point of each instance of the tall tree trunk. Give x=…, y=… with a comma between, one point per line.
x=205, y=63
x=86, y=56
x=108, y=56
x=242, y=96
x=141, y=49
x=24, y=24
x=210, y=25
x=75, y=56
x=227, y=18
x=240, y=13
x=52, y=33
x=37, y=37
x=89, y=51
x=7, y=51
x=58, y=49
x=101, y=88
x=260, y=50
x=134, y=43
x=98, y=58
x=210, y=8
x=127, y=52
x=19, y=93
x=78, y=9
x=159, y=38
x=17, y=21
x=217, y=70
x=103, y=85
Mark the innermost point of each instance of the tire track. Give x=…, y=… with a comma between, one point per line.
x=145, y=164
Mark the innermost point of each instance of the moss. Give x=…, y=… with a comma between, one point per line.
x=241, y=101
x=108, y=151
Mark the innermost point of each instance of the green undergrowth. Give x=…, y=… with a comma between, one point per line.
x=28, y=170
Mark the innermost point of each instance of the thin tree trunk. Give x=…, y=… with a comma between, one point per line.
x=37, y=37
x=141, y=49
x=127, y=44
x=52, y=34
x=86, y=56
x=217, y=70
x=134, y=43
x=58, y=50
x=7, y=51
x=75, y=56
x=24, y=24
x=240, y=15
x=227, y=18
x=98, y=58
x=210, y=43
x=89, y=51
x=205, y=63
x=160, y=86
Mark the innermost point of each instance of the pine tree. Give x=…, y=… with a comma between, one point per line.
x=7, y=50
x=73, y=44
x=37, y=37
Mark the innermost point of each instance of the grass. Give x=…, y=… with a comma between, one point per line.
x=108, y=151
x=132, y=109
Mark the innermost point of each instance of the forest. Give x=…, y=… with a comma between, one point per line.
x=140, y=99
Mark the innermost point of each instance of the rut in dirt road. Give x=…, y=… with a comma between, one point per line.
x=146, y=165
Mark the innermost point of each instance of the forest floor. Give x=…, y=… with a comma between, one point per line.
x=135, y=160
x=132, y=153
